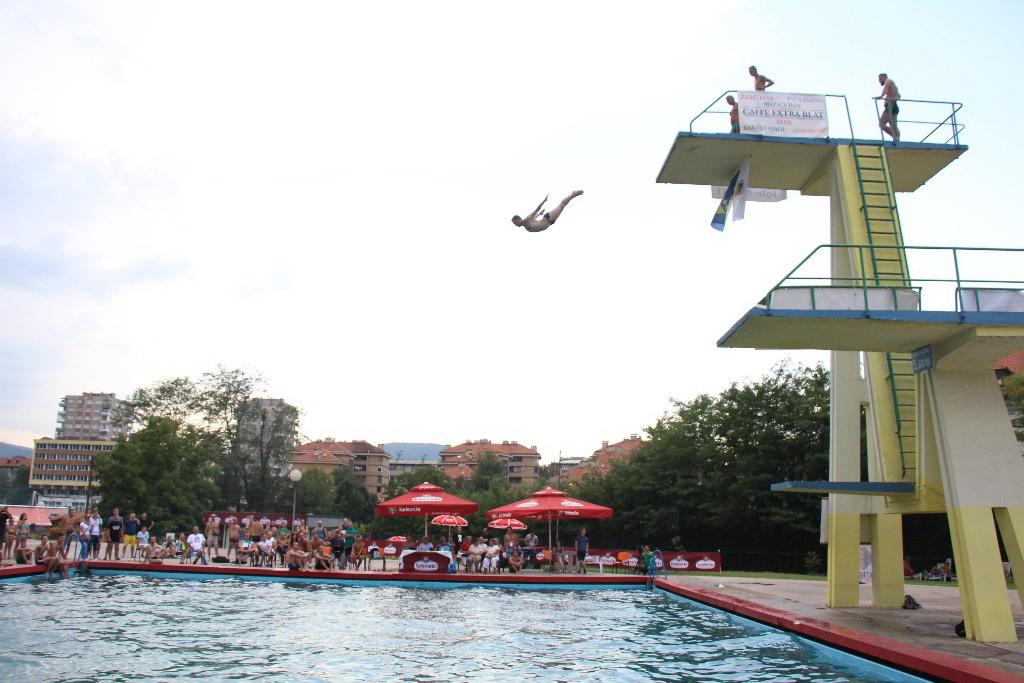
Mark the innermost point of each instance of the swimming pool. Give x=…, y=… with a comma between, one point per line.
x=141, y=628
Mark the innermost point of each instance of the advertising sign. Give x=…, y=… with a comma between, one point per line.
x=781, y=114
x=422, y=562
x=754, y=194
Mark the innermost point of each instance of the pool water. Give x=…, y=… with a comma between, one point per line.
x=138, y=628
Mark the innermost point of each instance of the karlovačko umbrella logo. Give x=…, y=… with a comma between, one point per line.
x=571, y=504
x=427, y=499
x=528, y=504
x=679, y=563
x=705, y=563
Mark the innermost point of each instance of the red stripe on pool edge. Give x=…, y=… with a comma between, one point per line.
x=886, y=650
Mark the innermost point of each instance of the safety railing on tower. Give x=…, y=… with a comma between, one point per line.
x=946, y=279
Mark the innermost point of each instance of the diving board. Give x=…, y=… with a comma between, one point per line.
x=858, y=488
x=802, y=164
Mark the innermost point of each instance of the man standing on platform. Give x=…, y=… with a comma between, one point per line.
x=734, y=115
x=582, y=546
x=761, y=82
x=890, y=93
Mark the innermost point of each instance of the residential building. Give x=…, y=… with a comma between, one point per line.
x=566, y=464
x=88, y=416
x=15, y=462
x=406, y=457
x=63, y=468
x=601, y=461
x=522, y=463
x=369, y=463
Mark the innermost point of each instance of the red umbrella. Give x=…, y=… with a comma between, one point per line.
x=425, y=499
x=449, y=520
x=397, y=539
x=507, y=523
x=550, y=504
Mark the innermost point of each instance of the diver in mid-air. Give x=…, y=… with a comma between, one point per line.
x=535, y=222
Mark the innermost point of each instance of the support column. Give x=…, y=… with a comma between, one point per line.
x=1011, y=528
x=886, y=560
x=845, y=397
x=981, y=470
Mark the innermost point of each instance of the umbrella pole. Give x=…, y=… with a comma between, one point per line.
x=424, y=525
x=551, y=548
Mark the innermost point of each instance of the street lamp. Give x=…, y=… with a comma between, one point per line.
x=294, y=475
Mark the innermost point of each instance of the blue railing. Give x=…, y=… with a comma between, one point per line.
x=973, y=277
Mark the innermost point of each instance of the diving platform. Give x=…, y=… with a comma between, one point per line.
x=788, y=163
x=857, y=488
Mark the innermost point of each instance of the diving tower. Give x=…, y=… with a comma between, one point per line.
x=915, y=355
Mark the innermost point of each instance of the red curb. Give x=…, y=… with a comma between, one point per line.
x=887, y=650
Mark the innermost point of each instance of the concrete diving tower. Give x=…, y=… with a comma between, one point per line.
x=915, y=357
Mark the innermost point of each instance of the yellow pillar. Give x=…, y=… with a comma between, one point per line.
x=1011, y=528
x=981, y=472
x=886, y=560
x=845, y=397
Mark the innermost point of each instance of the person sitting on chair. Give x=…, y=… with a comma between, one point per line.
x=358, y=553
x=536, y=222
x=295, y=559
x=515, y=562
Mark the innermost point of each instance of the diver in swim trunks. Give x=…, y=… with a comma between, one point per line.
x=761, y=82
x=734, y=115
x=890, y=93
x=536, y=222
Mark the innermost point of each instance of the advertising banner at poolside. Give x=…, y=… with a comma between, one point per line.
x=782, y=114
x=754, y=194
x=609, y=557
x=422, y=562
x=265, y=518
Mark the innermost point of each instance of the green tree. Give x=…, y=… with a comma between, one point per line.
x=350, y=497
x=166, y=469
x=255, y=436
x=14, y=488
x=315, y=492
x=1013, y=394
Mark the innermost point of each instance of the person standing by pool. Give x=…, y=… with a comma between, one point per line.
x=213, y=535
x=254, y=530
x=95, y=524
x=115, y=527
x=582, y=546
x=141, y=544
x=148, y=524
x=234, y=533
x=131, y=534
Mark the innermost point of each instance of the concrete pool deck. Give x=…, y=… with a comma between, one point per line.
x=928, y=629
x=919, y=640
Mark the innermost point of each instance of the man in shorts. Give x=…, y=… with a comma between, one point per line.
x=115, y=527
x=213, y=535
x=194, y=546
x=536, y=222
x=734, y=115
x=95, y=523
x=582, y=546
x=131, y=531
x=887, y=121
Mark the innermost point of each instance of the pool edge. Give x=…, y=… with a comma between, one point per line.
x=878, y=648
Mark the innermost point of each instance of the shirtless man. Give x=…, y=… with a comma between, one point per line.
x=536, y=222
x=296, y=559
x=234, y=533
x=54, y=561
x=761, y=82
x=734, y=115
x=213, y=536
x=890, y=93
x=254, y=530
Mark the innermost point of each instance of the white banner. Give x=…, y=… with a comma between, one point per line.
x=754, y=194
x=781, y=114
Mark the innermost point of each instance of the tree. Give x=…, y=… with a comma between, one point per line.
x=166, y=469
x=14, y=487
x=1013, y=394
x=255, y=436
x=315, y=492
x=350, y=497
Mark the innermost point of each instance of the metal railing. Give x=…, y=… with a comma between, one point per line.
x=954, y=127
x=950, y=121
x=875, y=288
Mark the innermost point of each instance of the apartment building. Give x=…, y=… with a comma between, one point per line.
x=62, y=468
x=88, y=416
x=522, y=462
x=369, y=463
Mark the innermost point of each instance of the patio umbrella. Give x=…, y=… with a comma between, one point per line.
x=550, y=504
x=507, y=523
x=425, y=499
x=449, y=521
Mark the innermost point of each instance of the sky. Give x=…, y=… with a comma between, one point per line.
x=320, y=193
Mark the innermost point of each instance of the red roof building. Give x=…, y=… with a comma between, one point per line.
x=601, y=461
x=16, y=462
x=523, y=462
x=1012, y=364
x=368, y=462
